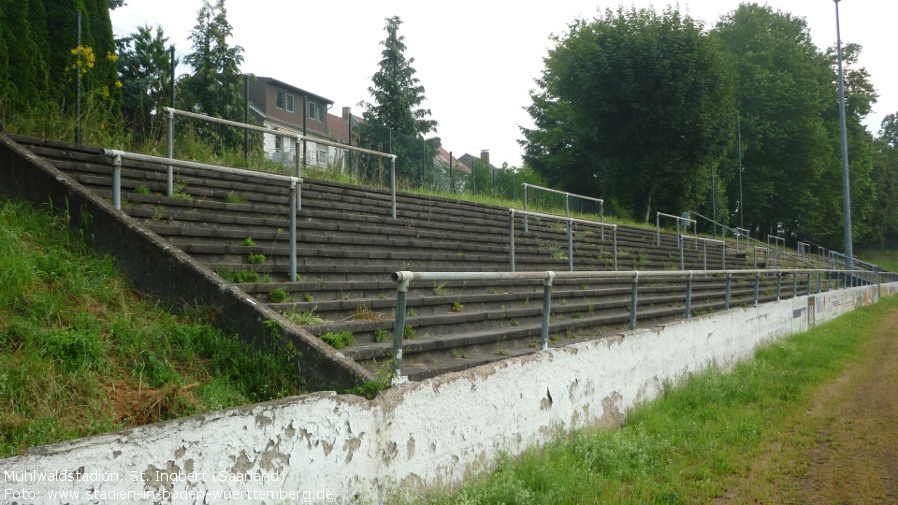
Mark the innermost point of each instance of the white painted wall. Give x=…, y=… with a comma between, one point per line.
x=326, y=448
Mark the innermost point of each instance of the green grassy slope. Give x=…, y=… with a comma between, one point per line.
x=82, y=353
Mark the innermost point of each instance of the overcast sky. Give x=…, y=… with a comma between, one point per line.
x=476, y=59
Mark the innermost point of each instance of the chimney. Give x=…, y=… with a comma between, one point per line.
x=485, y=156
x=347, y=112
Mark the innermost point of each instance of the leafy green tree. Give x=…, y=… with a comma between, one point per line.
x=216, y=84
x=145, y=69
x=785, y=96
x=889, y=130
x=395, y=118
x=633, y=105
x=4, y=66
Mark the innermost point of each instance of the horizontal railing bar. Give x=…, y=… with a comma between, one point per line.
x=693, y=221
x=703, y=239
x=345, y=146
x=550, y=190
x=111, y=153
x=561, y=218
x=211, y=119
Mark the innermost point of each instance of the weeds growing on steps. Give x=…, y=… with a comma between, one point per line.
x=84, y=354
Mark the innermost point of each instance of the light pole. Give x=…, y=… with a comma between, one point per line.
x=846, y=194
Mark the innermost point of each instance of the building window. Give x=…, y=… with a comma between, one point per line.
x=285, y=101
x=278, y=143
x=316, y=111
x=322, y=157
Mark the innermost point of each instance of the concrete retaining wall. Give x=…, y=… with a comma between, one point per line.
x=324, y=448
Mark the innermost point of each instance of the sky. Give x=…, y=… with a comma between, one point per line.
x=477, y=60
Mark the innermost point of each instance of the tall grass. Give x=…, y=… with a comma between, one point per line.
x=83, y=353
x=689, y=446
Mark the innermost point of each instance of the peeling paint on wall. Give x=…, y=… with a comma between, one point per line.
x=423, y=434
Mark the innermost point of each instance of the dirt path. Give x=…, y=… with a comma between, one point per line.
x=846, y=449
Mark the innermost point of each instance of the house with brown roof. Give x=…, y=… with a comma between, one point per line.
x=282, y=106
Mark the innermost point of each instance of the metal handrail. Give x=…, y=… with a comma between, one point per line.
x=570, y=234
x=171, y=112
x=680, y=219
x=292, y=182
x=567, y=208
x=705, y=241
x=725, y=227
x=852, y=278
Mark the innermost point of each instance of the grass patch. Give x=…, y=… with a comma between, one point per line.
x=239, y=276
x=84, y=354
x=691, y=445
x=339, y=340
x=305, y=318
x=233, y=197
x=278, y=295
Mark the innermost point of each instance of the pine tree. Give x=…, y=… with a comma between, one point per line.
x=22, y=54
x=4, y=67
x=215, y=86
x=145, y=71
x=398, y=95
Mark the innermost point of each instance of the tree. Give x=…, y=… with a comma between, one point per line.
x=633, y=106
x=395, y=120
x=145, y=70
x=784, y=93
x=216, y=83
x=889, y=130
x=23, y=63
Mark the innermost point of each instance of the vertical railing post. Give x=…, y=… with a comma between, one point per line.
x=704, y=255
x=399, y=328
x=633, y=300
x=794, y=284
x=614, y=245
x=292, y=209
x=547, y=310
x=779, y=285
x=689, y=295
x=724, y=249
x=298, y=163
x=511, y=236
x=757, y=286
x=570, y=245
x=567, y=205
x=117, y=181
x=602, y=217
x=726, y=299
x=170, y=151
x=525, y=210
x=829, y=280
x=658, y=229
x=682, y=258
x=393, y=185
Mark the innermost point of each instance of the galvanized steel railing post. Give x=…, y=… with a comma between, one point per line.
x=682, y=258
x=567, y=205
x=757, y=285
x=689, y=295
x=704, y=255
x=724, y=249
x=511, y=236
x=547, y=310
x=658, y=229
x=298, y=163
x=292, y=209
x=525, y=209
x=794, y=284
x=570, y=245
x=170, y=151
x=726, y=300
x=117, y=182
x=779, y=285
x=393, y=184
x=615, y=248
x=633, y=300
x=399, y=328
